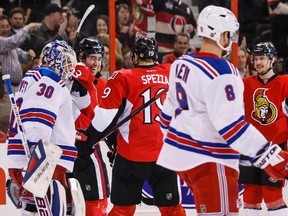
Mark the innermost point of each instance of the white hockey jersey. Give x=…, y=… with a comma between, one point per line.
x=203, y=115
x=45, y=108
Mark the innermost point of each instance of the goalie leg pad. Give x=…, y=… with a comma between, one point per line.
x=13, y=192
x=58, y=198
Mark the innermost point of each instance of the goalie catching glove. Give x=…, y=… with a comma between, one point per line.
x=273, y=160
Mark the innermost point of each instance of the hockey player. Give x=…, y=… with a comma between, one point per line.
x=89, y=168
x=46, y=108
x=203, y=121
x=266, y=108
x=140, y=139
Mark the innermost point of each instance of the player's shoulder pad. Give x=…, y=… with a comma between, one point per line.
x=38, y=73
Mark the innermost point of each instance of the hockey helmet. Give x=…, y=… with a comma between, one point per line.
x=88, y=46
x=145, y=48
x=214, y=20
x=264, y=48
x=59, y=56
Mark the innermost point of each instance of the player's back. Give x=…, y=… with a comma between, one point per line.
x=201, y=102
x=130, y=89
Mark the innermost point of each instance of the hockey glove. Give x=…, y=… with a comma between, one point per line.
x=273, y=160
x=84, y=150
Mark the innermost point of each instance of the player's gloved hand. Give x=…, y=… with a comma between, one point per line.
x=84, y=150
x=273, y=160
x=93, y=135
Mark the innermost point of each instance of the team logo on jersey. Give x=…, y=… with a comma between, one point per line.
x=203, y=208
x=265, y=112
x=88, y=187
x=178, y=24
x=169, y=196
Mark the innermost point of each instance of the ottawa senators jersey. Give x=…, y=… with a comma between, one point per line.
x=139, y=139
x=84, y=95
x=265, y=106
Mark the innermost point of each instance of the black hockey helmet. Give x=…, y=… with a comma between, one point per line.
x=264, y=48
x=88, y=46
x=145, y=48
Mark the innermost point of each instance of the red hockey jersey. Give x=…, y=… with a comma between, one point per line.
x=84, y=102
x=265, y=106
x=139, y=139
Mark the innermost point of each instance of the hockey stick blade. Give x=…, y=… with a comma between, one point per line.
x=127, y=118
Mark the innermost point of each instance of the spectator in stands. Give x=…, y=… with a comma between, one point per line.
x=181, y=46
x=102, y=24
x=104, y=38
x=10, y=58
x=52, y=27
x=242, y=62
x=106, y=67
x=140, y=15
x=278, y=13
x=88, y=27
x=16, y=19
x=172, y=17
x=127, y=62
x=124, y=28
x=72, y=26
x=253, y=19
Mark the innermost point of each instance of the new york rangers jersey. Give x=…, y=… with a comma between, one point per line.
x=266, y=108
x=203, y=116
x=139, y=139
x=45, y=108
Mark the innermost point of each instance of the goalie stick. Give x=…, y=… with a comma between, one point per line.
x=87, y=12
x=127, y=118
x=42, y=204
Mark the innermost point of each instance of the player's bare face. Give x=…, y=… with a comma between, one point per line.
x=262, y=64
x=93, y=62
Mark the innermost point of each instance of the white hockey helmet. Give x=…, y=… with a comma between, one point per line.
x=214, y=20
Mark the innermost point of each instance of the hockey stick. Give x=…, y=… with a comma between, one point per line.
x=87, y=12
x=127, y=118
x=42, y=204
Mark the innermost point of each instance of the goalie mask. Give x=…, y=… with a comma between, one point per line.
x=60, y=57
x=214, y=20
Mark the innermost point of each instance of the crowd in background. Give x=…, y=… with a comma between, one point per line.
x=260, y=20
